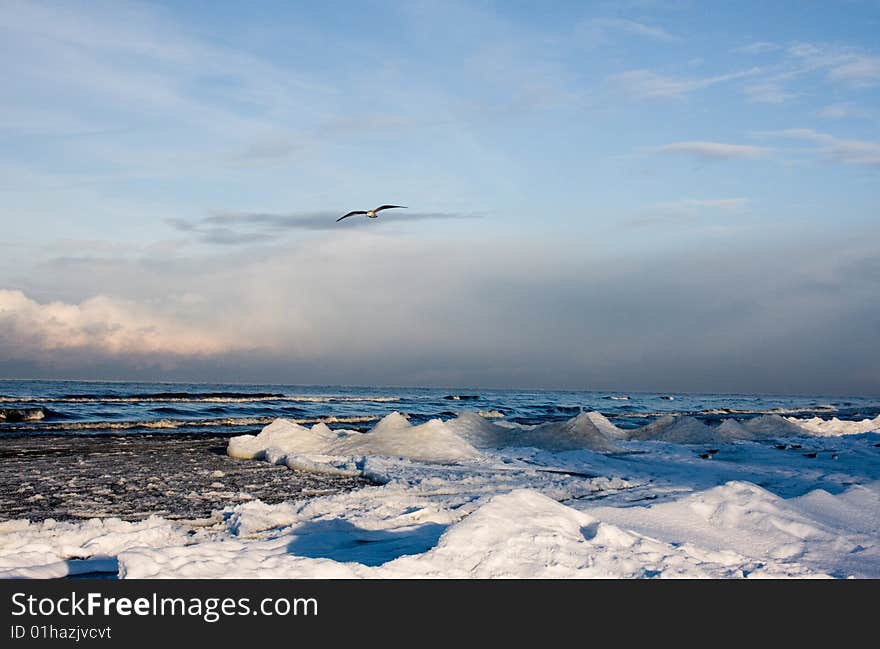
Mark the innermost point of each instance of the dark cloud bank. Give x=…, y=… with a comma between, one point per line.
x=370, y=309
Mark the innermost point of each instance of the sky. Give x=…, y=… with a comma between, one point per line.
x=600, y=195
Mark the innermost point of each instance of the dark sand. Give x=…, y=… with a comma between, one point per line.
x=130, y=477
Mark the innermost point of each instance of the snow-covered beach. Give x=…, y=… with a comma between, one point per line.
x=472, y=496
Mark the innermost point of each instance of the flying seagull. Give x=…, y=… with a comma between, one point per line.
x=370, y=214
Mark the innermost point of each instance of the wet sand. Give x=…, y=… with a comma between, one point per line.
x=130, y=477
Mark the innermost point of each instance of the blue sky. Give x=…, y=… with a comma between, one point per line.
x=633, y=195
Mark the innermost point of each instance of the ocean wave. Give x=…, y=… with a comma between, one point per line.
x=168, y=424
x=462, y=397
x=23, y=414
x=727, y=411
x=193, y=397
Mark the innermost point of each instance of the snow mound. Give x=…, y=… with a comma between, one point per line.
x=815, y=534
x=479, y=431
x=586, y=431
x=690, y=430
x=432, y=441
x=320, y=449
x=52, y=549
x=731, y=429
x=526, y=535
x=520, y=534
x=834, y=427
x=604, y=425
x=677, y=430
x=772, y=426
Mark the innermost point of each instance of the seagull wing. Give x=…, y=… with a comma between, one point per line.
x=387, y=207
x=350, y=214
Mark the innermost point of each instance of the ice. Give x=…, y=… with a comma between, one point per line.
x=471, y=497
x=436, y=440
x=814, y=534
x=834, y=426
x=393, y=435
x=768, y=426
x=678, y=430
x=56, y=549
x=586, y=431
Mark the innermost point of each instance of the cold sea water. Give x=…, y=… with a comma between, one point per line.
x=29, y=408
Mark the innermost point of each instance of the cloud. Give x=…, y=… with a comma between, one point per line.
x=838, y=65
x=852, y=152
x=715, y=150
x=859, y=71
x=372, y=309
x=663, y=217
x=635, y=28
x=718, y=203
x=758, y=47
x=234, y=228
x=686, y=211
x=842, y=65
x=646, y=83
x=844, y=110
x=768, y=93
x=101, y=324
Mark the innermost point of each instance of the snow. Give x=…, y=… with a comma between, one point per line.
x=834, y=426
x=392, y=435
x=56, y=549
x=472, y=498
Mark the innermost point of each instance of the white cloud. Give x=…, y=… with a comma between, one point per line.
x=842, y=65
x=843, y=110
x=768, y=93
x=758, y=47
x=715, y=150
x=685, y=211
x=859, y=71
x=104, y=325
x=636, y=28
x=853, y=152
x=646, y=83
x=718, y=203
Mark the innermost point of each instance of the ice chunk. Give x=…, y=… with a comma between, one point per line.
x=834, y=426
x=393, y=435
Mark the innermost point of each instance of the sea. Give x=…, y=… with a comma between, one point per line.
x=36, y=407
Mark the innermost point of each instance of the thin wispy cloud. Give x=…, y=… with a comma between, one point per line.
x=794, y=62
x=860, y=71
x=715, y=150
x=650, y=84
x=736, y=203
x=237, y=228
x=635, y=28
x=847, y=151
x=841, y=65
x=768, y=93
x=844, y=110
x=685, y=211
x=759, y=47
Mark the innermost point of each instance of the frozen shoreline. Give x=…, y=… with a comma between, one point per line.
x=468, y=497
x=133, y=477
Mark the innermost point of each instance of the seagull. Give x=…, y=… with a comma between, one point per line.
x=370, y=214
